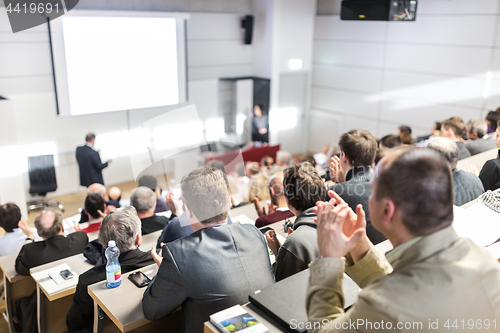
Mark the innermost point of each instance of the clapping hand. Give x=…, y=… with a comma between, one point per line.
x=340, y=230
x=169, y=199
x=273, y=242
x=157, y=257
x=337, y=175
x=260, y=211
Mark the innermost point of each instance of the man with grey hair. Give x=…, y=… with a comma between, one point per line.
x=215, y=267
x=283, y=158
x=55, y=246
x=124, y=227
x=479, y=141
x=466, y=185
x=143, y=199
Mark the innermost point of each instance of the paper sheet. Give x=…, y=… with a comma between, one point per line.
x=478, y=223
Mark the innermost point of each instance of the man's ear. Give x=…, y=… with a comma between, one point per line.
x=138, y=240
x=389, y=211
x=271, y=191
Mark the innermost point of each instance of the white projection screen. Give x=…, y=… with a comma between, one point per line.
x=114, y=61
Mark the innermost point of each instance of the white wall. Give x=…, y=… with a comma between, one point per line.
x=379, y=75
x=215, y=49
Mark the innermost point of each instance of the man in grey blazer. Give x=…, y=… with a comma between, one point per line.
x=215, y=267
x=479, y=141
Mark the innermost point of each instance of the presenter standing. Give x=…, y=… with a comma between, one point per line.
x=260, y=126
x=90, y=163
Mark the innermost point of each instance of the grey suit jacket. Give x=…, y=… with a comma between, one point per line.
x=480, y=145
x=208, y=271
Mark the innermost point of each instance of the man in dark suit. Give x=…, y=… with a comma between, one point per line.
x=143, y=199
x=90, y=163
x=214, y=268
x=55, y=246
x=352, y=174
x=124, y=227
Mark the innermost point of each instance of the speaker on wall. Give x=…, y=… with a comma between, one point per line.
x=247, y=25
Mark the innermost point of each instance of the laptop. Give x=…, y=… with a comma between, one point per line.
x=285, y=301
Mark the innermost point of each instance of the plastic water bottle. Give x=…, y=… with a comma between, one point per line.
x=113, y=268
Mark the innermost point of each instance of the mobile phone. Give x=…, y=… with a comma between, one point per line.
x=265, y=229
x=139, y=279
x=66, y=274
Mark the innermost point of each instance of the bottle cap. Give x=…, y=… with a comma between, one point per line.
x=111, y=243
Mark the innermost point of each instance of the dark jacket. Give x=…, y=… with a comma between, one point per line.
x=208, y=271
x=490, y=174
x=161, y=206
x=256, y=122
x=467, y=187
x=153, y=223
x=300, y=247
x=52, y=249
x=178, y=227
x=81, y=314
x=40, y=253
x=356, y=190
x=90, y=166
x=277, y=216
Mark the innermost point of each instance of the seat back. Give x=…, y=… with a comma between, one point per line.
x=42, y=174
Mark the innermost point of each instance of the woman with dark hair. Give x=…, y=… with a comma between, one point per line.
x=492, y=119
x=260, y=125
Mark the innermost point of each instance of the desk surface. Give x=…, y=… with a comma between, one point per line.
x=149, y=240
x=77, y=263
x=248, y=210
x=125, y=315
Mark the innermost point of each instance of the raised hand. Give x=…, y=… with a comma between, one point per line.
x=273, y=242
x=337, y=175
x=260, y=211
x=169, y=199
x=157, y=257
x=27, y=231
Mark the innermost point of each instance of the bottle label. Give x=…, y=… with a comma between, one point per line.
x=114, y=276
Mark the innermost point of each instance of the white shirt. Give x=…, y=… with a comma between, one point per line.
x=13, y=241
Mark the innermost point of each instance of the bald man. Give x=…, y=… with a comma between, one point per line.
x=55, y=246
x=101, y=190
x=278, y=209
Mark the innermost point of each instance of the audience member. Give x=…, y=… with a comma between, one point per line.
x=55, y=246
x=303, y=187
x=216, y=267
x=490, y=173
x=466, y=186
x=479, y=141
x=278, y=208
x=251, y=169
x=124, y=227
x=353, y=173
x=17, y=230
x=412, y=204
x=390, y=141
x=283, y=158
x=492, y=119
x=114, y=195
x=379, y=154
x=454, y=128
x=109, y=205
x=258, y=187
x=152, y=183
x=435, y=132
x=94, y=208
x=404, y=133
x=143, y=199
x=266, y=163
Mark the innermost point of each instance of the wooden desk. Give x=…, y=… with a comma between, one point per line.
x=16, y=286
x=52, y=309
x=123, y=307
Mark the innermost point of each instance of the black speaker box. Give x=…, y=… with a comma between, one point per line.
x=247, y=25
